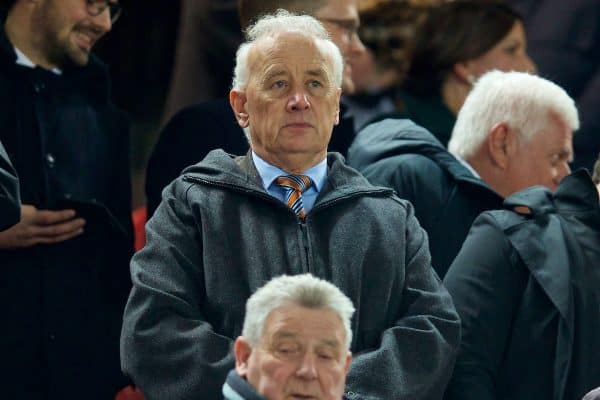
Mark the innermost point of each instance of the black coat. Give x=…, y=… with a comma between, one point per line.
x=10, y=210
x=527, y=288
x=196, y=130
x=62, y=303
x=446, y=196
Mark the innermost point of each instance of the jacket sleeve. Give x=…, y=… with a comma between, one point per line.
x=486, y=282
x=417, y=353
x=10, y=204
x=167, y=346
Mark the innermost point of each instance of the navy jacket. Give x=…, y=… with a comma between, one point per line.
x=447, y=197
x=527, y=288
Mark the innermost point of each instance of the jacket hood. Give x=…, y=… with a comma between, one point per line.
x=393, y=137
x=222, y=169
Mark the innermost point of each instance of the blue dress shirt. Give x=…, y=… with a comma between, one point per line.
x=268, y=174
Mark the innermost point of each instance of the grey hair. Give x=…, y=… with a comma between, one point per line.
x=523, y=101
x=280, y=22
x=303, y=290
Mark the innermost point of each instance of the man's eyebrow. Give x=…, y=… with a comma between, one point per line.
x=318, y=72
x=274, y=74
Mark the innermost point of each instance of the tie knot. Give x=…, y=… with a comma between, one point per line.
x=298, y=183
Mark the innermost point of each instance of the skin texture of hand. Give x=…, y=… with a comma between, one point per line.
x=41, y=227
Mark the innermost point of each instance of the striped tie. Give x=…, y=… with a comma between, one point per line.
x=294, y=186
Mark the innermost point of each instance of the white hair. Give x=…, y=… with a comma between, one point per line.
x=523, y=101
x=303, y=290
x=282, y=22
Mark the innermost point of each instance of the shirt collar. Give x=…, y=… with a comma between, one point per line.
x=467, y=166
x=25, y=61
x=268, y=173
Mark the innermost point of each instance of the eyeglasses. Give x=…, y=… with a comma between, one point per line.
x=349, y=27
x=97, y=7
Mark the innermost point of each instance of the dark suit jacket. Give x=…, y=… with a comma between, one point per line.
x=10, y=210
x=194, y=131
x=527, y=291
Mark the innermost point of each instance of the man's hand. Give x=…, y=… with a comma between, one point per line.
x=41, y=227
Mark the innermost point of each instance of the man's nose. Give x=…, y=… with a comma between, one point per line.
x=102, y=21
x=357, y=47
x=307, y=368
x=298, y=101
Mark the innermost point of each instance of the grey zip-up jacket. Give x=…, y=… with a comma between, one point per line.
x=218, y=236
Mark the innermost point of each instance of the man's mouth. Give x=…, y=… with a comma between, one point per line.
x=86, y=40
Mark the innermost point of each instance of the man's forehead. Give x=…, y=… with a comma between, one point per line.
x=288, y=51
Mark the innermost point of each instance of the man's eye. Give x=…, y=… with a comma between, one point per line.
x=315, y=84
x=280, y=84
x=325, y=355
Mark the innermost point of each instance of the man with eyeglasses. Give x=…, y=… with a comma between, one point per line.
x=198, y=129
x=64, y=266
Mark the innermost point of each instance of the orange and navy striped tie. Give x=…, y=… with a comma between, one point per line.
x=294, y=186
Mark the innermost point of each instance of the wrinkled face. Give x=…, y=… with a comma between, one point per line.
x=340, y=18
x=301, y=355
x=510, y=54
x=68, y=32
x=544, y=160
x=291, y=102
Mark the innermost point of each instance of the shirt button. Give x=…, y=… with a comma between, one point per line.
x=52, y=336
x=50, y=160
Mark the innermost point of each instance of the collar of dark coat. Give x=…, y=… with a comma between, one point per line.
x=94, y=75
x=240, y=387
x=225, y=169
x=532, y=235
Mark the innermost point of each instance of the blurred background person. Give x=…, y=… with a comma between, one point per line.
x=387, y=29
x=458, y=42
x=65, y=264
x=564, y=42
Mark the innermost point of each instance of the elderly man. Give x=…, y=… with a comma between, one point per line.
x=526, y=284
x=181, y=136
x=10, y=211
x=295, y=342
x=64, y=265
x=513, y=131
x=229, y=224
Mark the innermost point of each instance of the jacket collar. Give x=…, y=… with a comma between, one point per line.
x=237, y=388
x=222, y=169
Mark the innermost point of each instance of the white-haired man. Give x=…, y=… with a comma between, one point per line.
x=229, y=224
x=514, y=130
x=295, y=342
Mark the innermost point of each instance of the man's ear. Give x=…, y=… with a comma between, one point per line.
x=241, y=351
x=501, y=144
x=348, y=362
x=337, y=109
x=237, y=99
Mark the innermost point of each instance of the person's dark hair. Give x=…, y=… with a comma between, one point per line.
x=388, y=29
x=7, y=4
x=250, y=11
x=455, y=32
x=596, y=175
